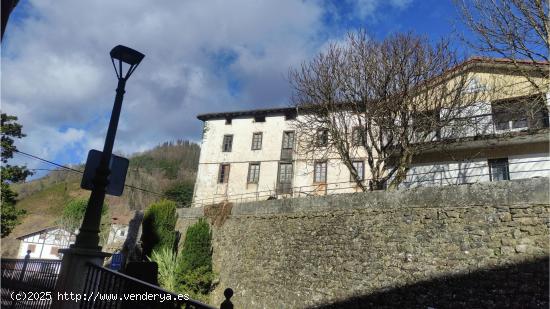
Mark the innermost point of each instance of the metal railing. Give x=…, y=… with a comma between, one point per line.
x=475, y=170
x=479, y=126
x=28, y=276
x=106, y=288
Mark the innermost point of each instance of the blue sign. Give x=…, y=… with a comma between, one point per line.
x=116, y=261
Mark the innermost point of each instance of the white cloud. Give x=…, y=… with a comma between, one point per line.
x=57, y=76
x=367, y=8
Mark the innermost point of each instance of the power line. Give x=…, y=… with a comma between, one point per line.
x=81, y=172
x=48, y=161
x=45, y=169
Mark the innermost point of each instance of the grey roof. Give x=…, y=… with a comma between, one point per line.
x=249, y=113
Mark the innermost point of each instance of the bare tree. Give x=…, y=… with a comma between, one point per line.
x=384, y=101
x=517, y=30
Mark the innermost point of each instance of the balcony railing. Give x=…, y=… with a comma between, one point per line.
x=476, y=126
x=476, y=172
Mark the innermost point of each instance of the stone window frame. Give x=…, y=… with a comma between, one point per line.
x=322, y=173
x=285, y=143
x=357, y=139
x=223, y=173
x=362, y=174
x=284, y=186
x=321, y=138
x=253, y=176
x=227, y=144
x=257, y=139
x=498, y=165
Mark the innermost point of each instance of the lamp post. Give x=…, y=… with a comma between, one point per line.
x=86, y=248
x=88, y=237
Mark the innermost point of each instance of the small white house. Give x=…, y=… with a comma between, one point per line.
x=45, y=243
x=118, y=230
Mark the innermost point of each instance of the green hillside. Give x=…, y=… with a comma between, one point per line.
x=168, y=170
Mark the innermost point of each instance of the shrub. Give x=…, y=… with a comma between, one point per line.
x=73, y=213
x=166, y=260
x=159, y=222
x=195, y=262
x=182, y=193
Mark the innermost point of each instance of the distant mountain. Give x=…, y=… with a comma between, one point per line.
x=166, y=171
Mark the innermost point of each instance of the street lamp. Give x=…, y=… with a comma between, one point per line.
x=88, y=237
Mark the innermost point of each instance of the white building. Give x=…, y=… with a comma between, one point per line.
x=252, y=155
x=45, y=244
x=118, y=230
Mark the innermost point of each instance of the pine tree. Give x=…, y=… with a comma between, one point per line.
x=10, y=215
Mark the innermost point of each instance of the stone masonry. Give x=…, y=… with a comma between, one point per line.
x=317, y=251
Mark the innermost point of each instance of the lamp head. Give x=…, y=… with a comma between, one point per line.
x=126, y=55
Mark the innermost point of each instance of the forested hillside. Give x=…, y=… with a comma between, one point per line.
x=166, y=171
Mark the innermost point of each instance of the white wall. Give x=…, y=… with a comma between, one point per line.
x=207, y=186
x=529, y=166
x=44, y=242
x=117, y=233
x=208, y=190
x=455, y=173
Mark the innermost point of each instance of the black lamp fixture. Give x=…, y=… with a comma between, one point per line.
x=127, y=55
x=89, y=230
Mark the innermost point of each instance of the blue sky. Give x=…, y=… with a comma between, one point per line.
x=201, y=56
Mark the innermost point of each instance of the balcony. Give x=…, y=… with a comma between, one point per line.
x=499, y=119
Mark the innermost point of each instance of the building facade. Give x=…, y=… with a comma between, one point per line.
x=253, y=155
x=45, y=244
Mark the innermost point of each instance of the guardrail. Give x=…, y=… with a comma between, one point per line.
x=447, y=176
x=28, y=275
x=106, y=288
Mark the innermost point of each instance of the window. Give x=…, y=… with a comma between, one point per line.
x=320, y=175
x=506, y=116
x=122, y=232
x=518, y=113
x=290, y=116
x=426, y=122
x=288, y=140
x=223, y=176
x=259, y=119
x=31, y=248
x=253, y=173
x=257, y=141
x=288, y=145
x=54, y=251
x=360, y=168
x=498, y=169
x=228, y=121
x=284, y=178
x=227, y=143
x=357, y=136
x=322, y=138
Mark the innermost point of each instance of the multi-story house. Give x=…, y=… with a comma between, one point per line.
x=45, y=243
x=253, y=155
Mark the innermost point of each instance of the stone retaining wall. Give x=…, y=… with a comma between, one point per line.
x=340, y=250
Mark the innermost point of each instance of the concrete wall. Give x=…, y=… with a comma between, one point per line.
x=310, y=252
